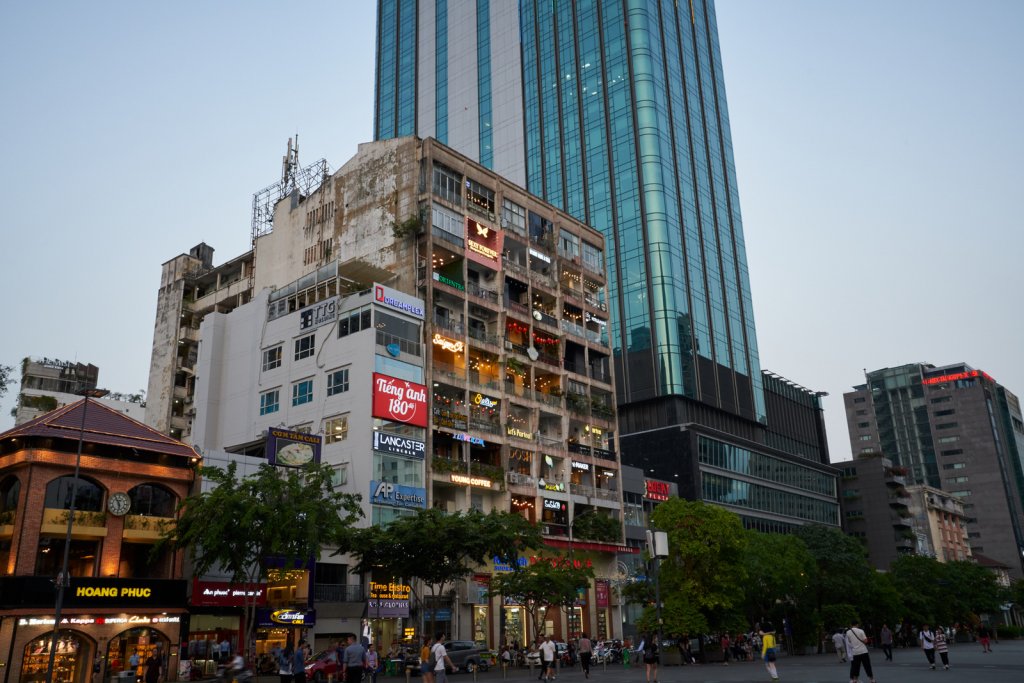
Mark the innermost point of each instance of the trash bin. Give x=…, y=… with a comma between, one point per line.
x=390, y=667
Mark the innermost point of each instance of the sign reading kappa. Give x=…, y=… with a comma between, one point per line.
x=398, y=400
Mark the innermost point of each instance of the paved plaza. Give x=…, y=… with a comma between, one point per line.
x=967, y=663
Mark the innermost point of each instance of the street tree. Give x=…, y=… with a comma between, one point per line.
x=276, y=515
x=945, y=593
x=596, y=526
x=6, y=378
x=782, y=573
x=702, y=579
x=440, y=549
x=543, y=585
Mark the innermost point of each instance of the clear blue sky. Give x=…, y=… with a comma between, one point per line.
x=878, y=147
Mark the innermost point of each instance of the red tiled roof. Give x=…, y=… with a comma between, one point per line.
x=103, y=426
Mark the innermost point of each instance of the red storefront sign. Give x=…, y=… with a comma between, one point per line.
x=224, y=594
x=398, y=400
x=601, y=591
x=656, y=490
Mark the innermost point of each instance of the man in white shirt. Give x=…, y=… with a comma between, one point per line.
x=839, y=641
x=927, y=638
x=547, y=657
x=857, y=647
x=441, y=657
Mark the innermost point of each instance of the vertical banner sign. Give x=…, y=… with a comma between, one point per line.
x=400, y=401
x=601, y=591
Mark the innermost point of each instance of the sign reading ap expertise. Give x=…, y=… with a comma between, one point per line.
x=400, y=401
x=388, y=493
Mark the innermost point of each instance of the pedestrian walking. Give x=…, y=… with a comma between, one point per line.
x=839, y=642
x=441, y=660
x=284, y=663
x=372, y=662
x=984, y=637
x=353, y=661
x=152, y=669
x=768, y=650
x=649, y=652
x=927, y=639
x=426, y=670
x=724, y=642
x=547, y=659
x=885, y=637
x=586, y=650
x=857, y=646
x=942, y=646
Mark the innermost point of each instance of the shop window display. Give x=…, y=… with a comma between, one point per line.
x=70, y=664
x=144, y=642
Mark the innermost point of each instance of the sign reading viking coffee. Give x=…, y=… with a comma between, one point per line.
x=398, y=400
x=398, y=445
x=388, y=600
x=286, y=448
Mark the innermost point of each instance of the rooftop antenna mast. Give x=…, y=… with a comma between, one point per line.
x=290, y=167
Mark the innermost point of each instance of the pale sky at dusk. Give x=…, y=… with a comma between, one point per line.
x=877, y=147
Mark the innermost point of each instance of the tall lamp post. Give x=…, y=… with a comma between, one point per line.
x=63, y=581
x=657, y=547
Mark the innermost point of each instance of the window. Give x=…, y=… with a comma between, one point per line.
x=943, y=413
x=304, y=428
x=593, y=259
x=862, y=425
x=270, y=401
x=955, y=451
x=272, y=358
x=302, y=392
x=336, y=429
x=305, y=346
x=862, y=412
x=942, y=399
x=955, y=466
x=859, y=399
x=446, y=185
x=956, y=480
x=354, y=321
x=339, y=476
x=513, y=217
x=949, y=439
x=152, y=499
x=337, y=381
x=961, y=494
x=479, y=198
x=568, y=245
x=865, y=437
x=448, y=221
x=946, y=425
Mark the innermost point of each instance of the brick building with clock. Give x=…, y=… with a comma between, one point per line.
x=118, y=600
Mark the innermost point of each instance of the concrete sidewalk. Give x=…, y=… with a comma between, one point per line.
x=967, y=663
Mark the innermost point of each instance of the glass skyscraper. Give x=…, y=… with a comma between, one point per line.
x=615, y=111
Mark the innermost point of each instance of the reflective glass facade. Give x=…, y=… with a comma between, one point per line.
x=625, y=126
x=395, y=107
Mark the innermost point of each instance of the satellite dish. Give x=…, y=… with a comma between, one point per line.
x=532, y=353
x=537, y=315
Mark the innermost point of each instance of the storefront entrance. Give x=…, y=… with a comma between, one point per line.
x=72, y=662
x=144, y=642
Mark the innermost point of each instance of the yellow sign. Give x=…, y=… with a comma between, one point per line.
x=389, y=591
x=471, y=481
x=448, y=344
x=112, y=592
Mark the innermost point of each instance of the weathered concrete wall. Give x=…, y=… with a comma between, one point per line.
x=163, y=357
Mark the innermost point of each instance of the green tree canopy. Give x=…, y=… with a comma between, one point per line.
x=6, y=378
x=945, y=593
x=702, y=580
x=441, y=549
x=782, y=573
x=237, y=525
x=596, y=526
x=548, y=583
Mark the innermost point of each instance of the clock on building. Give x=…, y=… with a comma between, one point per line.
x=119, y=504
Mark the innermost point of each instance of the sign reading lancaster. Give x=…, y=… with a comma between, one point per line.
x=398, y=400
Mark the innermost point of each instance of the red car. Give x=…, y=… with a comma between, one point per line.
x=321, y=665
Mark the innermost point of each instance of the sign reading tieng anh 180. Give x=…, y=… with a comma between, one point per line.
x=399, y=400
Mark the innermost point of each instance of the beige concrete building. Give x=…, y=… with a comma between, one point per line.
x=940, y=524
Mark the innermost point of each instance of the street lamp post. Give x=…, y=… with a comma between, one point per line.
x=657, y=547
x=63, y=580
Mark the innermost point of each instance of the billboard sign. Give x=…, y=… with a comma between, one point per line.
x=400, y=401
x=286, y=448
